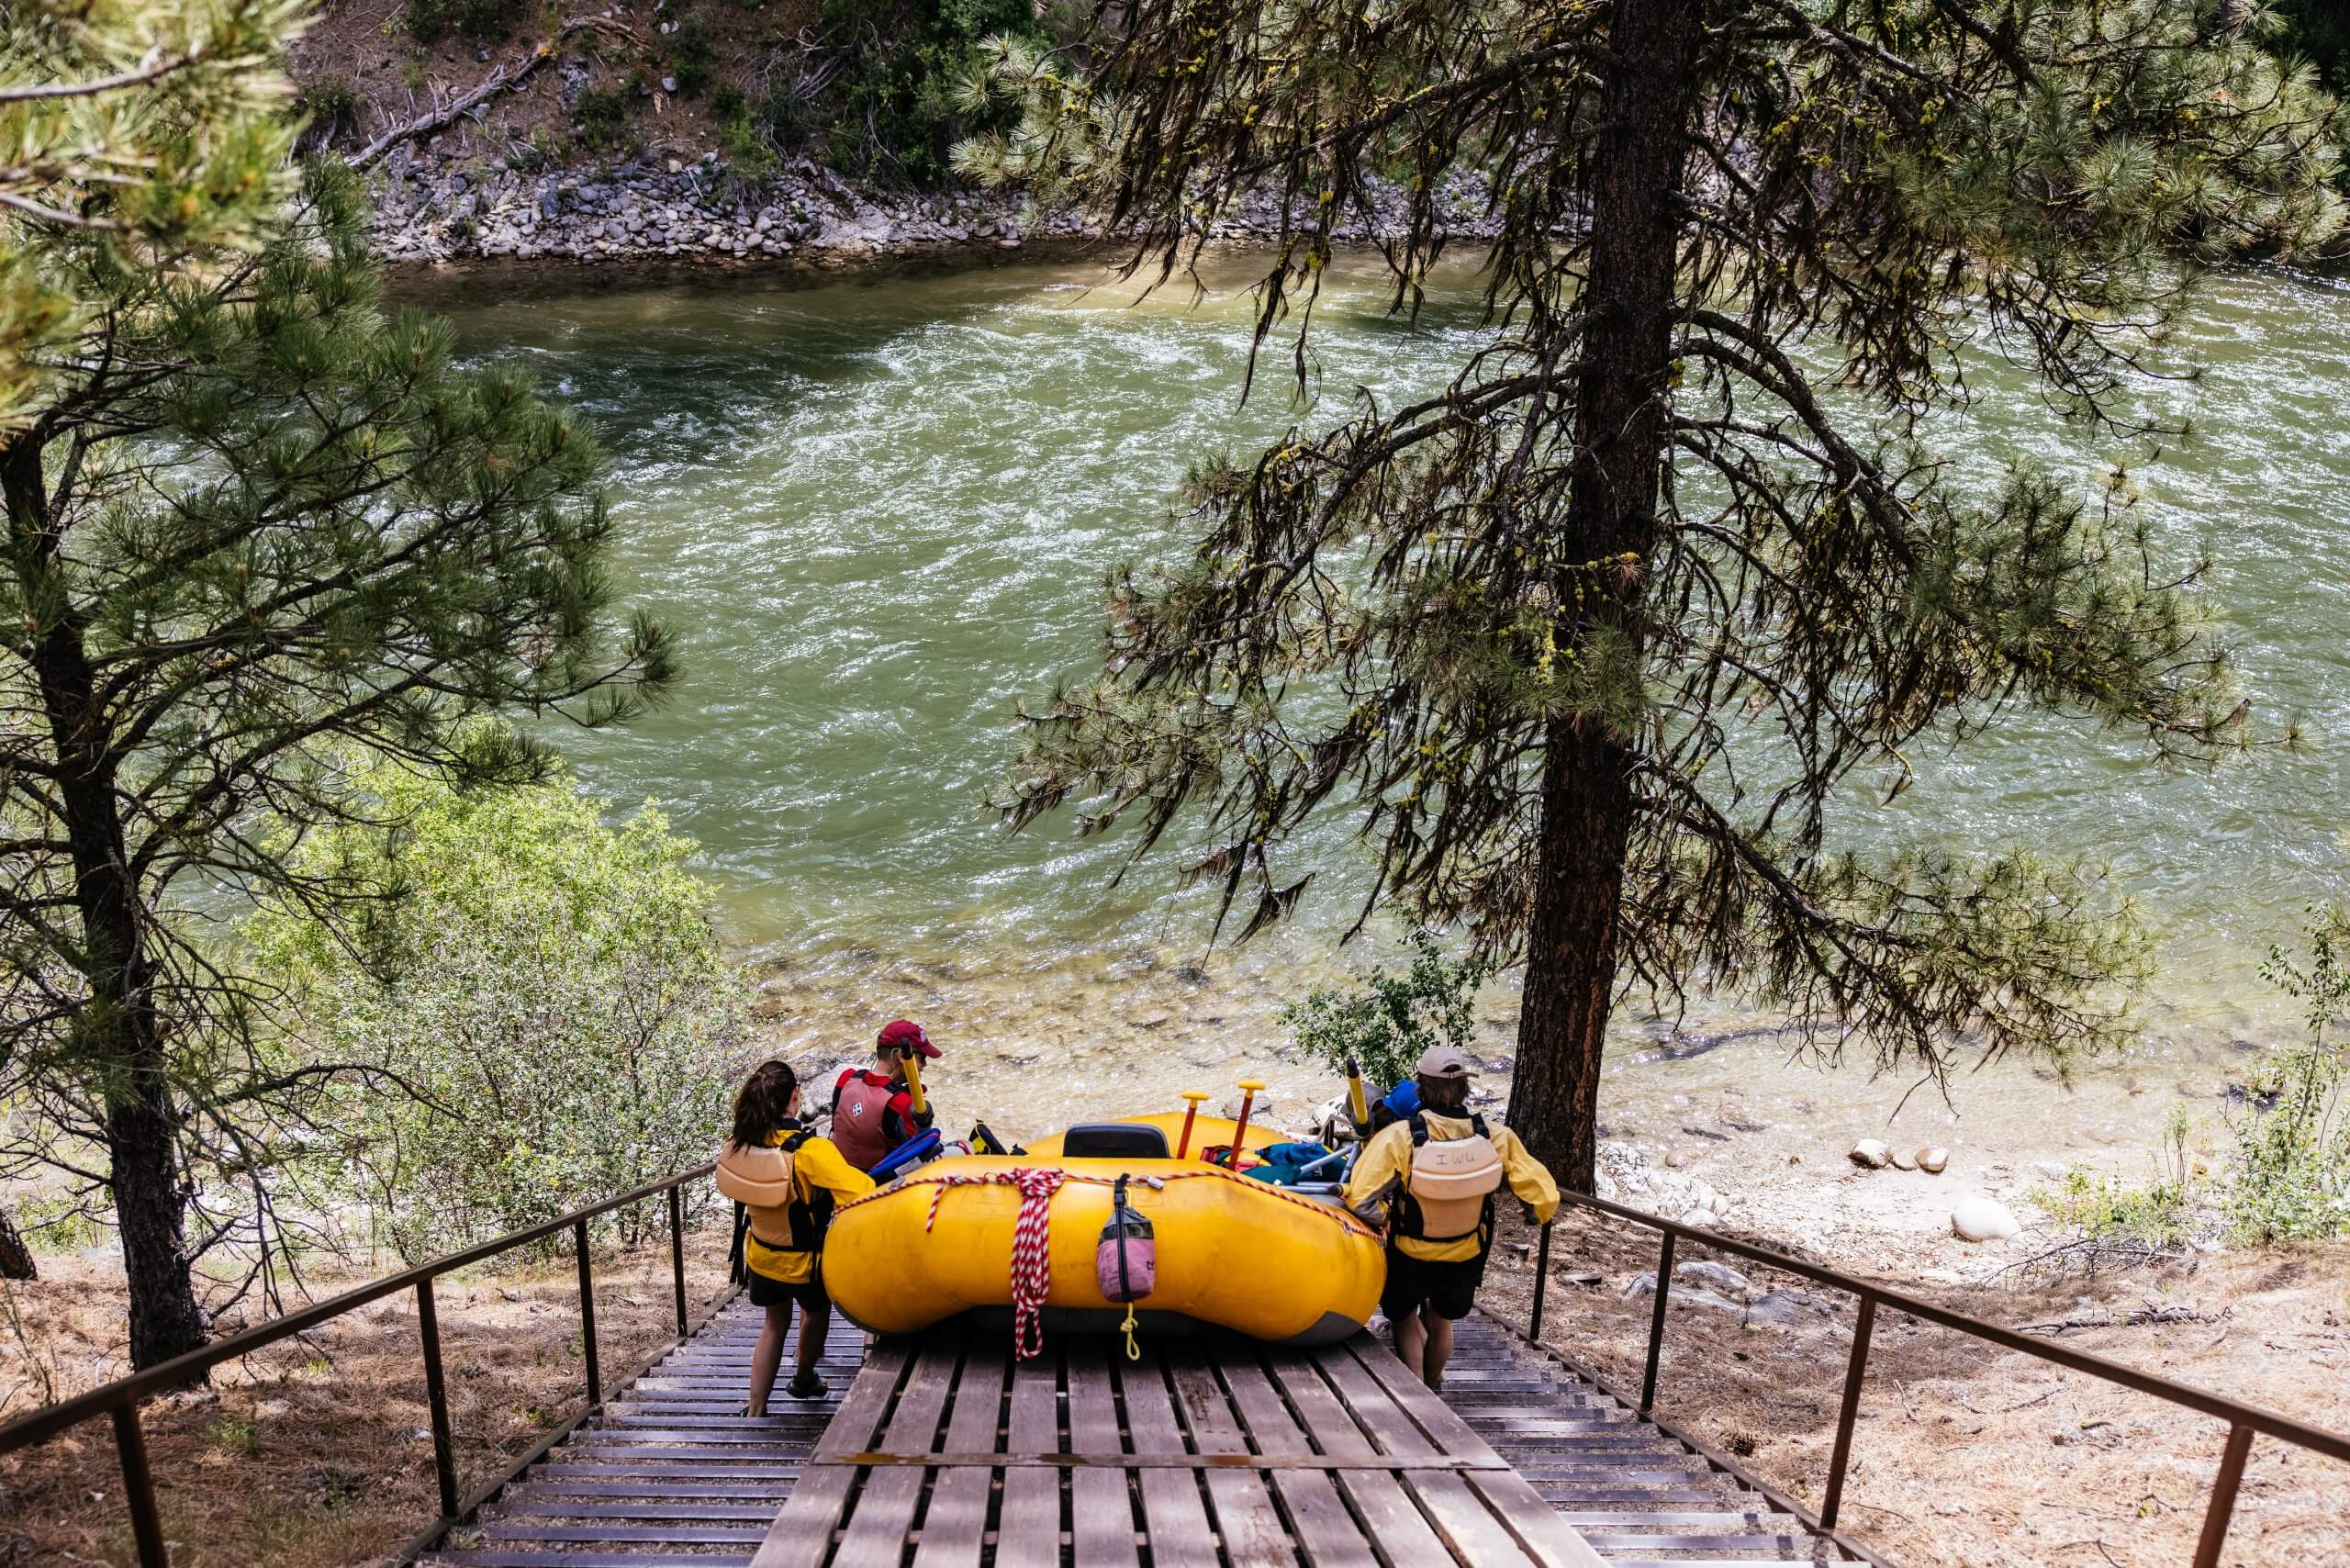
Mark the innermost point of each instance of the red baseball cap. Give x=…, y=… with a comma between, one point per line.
x=899, y=1035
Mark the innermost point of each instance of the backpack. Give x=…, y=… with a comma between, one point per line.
x=761, y=1180
x=1449, y=1191
x=1126, y=1260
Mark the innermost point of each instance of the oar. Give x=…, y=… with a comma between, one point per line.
x=1358, y=1102
x=1248, y=1087
x=913, y=1080
x=1190, y=1113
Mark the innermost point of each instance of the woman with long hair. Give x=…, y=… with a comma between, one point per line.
x=788, y=1179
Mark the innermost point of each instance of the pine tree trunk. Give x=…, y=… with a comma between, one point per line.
x=118, y=1027
x=1638, y=162
x=15, y=1258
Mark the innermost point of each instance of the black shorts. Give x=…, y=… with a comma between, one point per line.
x=811, y=1296
x=1449, y=1290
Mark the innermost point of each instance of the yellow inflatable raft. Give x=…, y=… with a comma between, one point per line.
x=1232, y=1252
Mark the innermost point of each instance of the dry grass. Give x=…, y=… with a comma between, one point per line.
x=1967, y=1454
x=318, y=1450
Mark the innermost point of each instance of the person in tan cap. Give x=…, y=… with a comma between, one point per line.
x=1431, y=1180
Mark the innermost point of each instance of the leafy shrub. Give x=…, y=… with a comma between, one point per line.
x=895, y=104
x=544, y=998
x=2292, y=1154
x=430, y=19
x=693, y=56
x=1392, y=1018
x=601, y=117
x=728, y=103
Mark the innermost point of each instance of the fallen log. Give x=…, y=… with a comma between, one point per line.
x=508, y=75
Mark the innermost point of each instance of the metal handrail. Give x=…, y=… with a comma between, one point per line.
x=2244, y=1421
x=120, y=1398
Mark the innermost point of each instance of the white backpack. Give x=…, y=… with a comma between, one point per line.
x=1451, y=1182
x=760, y=1179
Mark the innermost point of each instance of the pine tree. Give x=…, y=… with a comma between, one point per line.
x=1592, y=642
x=257, y=529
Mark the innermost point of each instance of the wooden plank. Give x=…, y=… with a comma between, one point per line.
x=1470, y=1533
x=1101, y=1502
x=1326, y=1531
x=953, y=1529
x=884, y=1514
x=1251, y=1527
x=1529, y=1520
x=801, y=1536
x=1028, y=1529
x=1173, y=1513
x=1398, y=1532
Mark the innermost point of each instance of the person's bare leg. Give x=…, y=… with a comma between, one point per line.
x=767, y=1356
x=1438, y=1349
x=814, y=1327
x=1411, y=1339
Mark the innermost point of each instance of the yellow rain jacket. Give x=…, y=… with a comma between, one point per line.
x=1385, y=1163
x=819, y=1177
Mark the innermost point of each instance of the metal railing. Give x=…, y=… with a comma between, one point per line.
x=120, y=1398
x=2244, y=1421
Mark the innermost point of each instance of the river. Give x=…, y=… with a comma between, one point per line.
x=877, y=509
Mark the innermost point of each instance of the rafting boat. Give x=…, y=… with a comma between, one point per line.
x=1022, y=1237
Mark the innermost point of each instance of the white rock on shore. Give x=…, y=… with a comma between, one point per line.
x=1983, y=1219
x=1870, y=1154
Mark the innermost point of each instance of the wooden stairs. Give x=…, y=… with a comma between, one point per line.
x=669, y=1476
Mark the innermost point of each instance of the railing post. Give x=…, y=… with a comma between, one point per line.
x=138, y=1487
x=1656, y=1322
x=1541, y=1278
x=1863, y=1328
x=2223, y=1497
x=436, y=1396
x=677, y=1252
x=587, y=1312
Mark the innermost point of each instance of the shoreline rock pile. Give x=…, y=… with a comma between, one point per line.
x=432, y=209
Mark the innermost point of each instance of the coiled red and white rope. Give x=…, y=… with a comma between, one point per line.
x=1032, y=1253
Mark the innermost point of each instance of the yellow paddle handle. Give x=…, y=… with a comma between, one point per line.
x=914, y=1082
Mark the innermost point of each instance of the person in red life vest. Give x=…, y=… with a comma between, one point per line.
x=873, y=1110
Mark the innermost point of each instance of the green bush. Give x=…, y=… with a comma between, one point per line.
x=2292, y=1154
x=543, y=998
x=894, y=109
x=430, y=19
x=1385, y=1023
x=601, y=117
x=693, y=56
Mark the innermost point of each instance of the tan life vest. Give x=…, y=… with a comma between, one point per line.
x=1451, y=1183
x=761, y=1180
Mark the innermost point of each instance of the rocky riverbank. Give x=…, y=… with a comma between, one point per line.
x=435, y=208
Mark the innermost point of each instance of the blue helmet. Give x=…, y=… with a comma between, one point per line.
x=1404, y=1099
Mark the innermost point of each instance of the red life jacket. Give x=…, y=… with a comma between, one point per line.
x=860, y=1106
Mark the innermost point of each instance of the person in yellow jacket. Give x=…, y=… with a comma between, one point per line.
x=781, y=1250
x=1433, y=1269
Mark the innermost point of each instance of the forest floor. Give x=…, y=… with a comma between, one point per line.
x=318, y=1450
x=1967, y=1454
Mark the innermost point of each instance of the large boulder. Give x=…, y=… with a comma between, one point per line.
x=1871, y=1154
x=1983, y=1219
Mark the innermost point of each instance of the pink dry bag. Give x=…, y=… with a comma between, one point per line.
x=1127, y=1262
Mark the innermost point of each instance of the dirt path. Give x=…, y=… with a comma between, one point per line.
x=1966, y=1454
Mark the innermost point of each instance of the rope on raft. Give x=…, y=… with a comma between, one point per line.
x=1032, y=1257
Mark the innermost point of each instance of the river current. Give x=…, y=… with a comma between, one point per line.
x=876, y=511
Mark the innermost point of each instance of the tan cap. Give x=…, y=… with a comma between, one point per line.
x=1444, y=1061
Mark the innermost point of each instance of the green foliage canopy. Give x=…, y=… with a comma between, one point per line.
x=544, y=995
x=1594, y=641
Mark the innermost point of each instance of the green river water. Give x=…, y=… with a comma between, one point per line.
x=876, y=511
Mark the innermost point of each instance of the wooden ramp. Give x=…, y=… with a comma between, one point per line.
x=1206, y=1452
x=949, y=1453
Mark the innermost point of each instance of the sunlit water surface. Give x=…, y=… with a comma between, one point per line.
x=877, y=512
